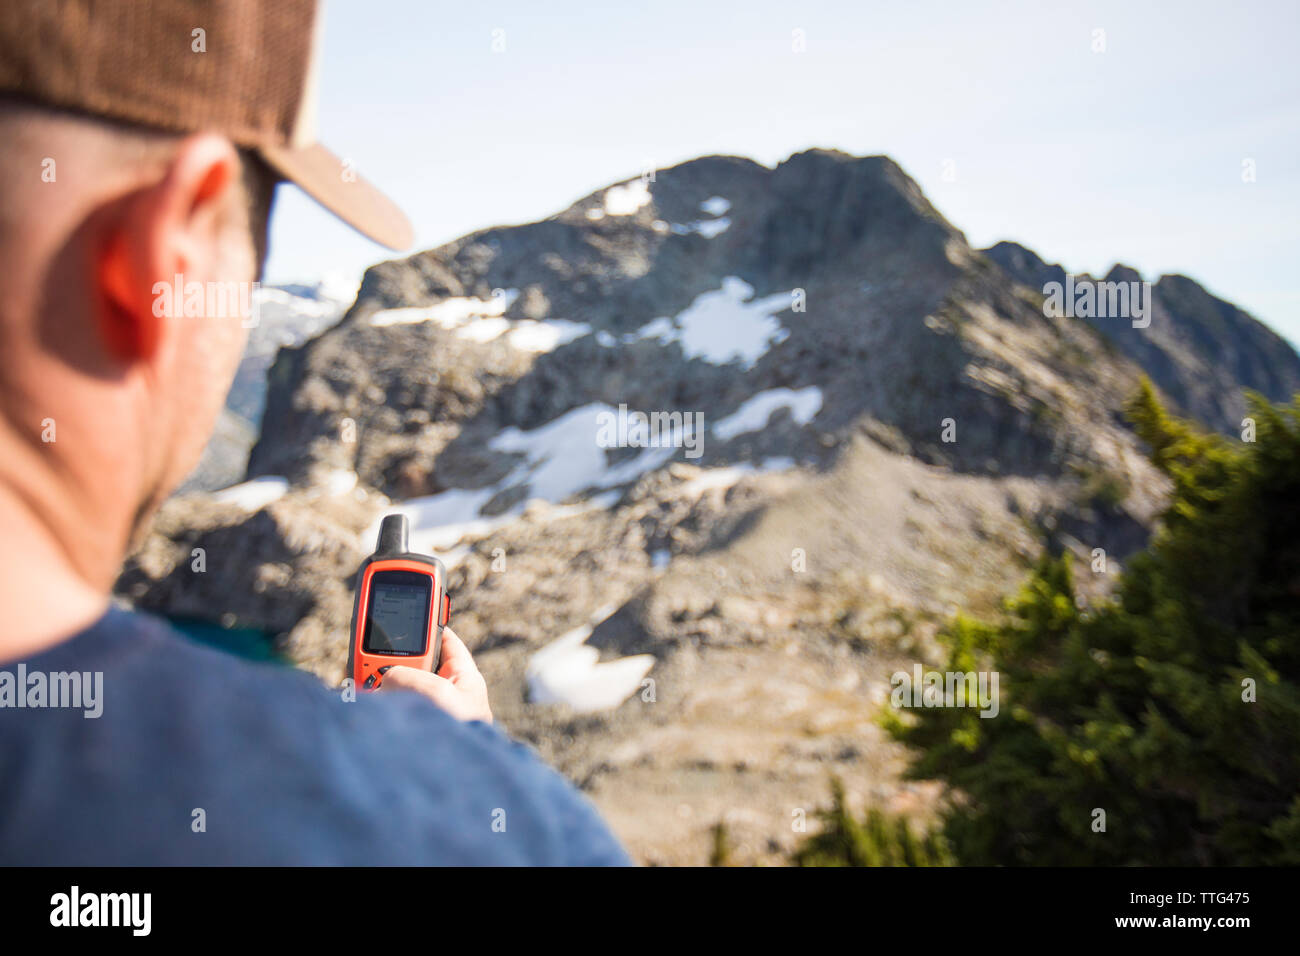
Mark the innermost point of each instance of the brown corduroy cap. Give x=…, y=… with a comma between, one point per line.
x=242, y=68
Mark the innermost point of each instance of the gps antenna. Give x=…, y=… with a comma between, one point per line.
x=392, y=535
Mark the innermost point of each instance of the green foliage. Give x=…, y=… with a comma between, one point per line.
x=1103, y=489
x=879, y=840
x=1137, y=707
x=720, y=855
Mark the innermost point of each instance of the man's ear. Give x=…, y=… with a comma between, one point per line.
x=173, y=228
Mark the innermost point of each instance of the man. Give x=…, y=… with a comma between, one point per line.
x=140, y=142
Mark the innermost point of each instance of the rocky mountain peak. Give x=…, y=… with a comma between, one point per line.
x=1200, y=350
x=862, y=426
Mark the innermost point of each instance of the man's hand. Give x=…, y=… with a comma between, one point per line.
x=458, y=687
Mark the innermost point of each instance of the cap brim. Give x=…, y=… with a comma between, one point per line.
x=325, y=178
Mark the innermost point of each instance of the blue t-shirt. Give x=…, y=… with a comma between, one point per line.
x=199, y=757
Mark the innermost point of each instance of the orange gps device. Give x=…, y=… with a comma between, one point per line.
x=400, y=608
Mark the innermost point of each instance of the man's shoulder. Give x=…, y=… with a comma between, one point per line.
x=324, y=774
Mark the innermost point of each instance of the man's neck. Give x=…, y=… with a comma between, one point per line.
x=48, y=594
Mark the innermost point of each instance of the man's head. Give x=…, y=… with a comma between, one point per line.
x=99, y=222
x=140, y=141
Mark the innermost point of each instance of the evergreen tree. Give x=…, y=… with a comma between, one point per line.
x=1162, y=727
x=879, y=840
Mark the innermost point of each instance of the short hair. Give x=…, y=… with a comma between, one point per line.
x=133, y=144
x=259, y=182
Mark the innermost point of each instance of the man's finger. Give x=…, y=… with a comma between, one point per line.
x=456, y=658
x=459, y=703
x=401, y=677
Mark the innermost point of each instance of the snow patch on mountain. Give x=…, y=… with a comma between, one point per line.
x=559, y=460
x=708, y=228
x=482, y=320
x=339, y=482
x=255, y=494
x=563, y=457
x=484, y=330
x=569, y=671
x=626, y=199
x=545, y=336
x=450, y=313
x=715, y=206
x=754, y=413
x=724, y=326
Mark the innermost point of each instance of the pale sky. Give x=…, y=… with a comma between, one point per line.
x=1134, y=154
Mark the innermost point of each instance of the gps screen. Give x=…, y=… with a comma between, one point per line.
x=397, y=614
